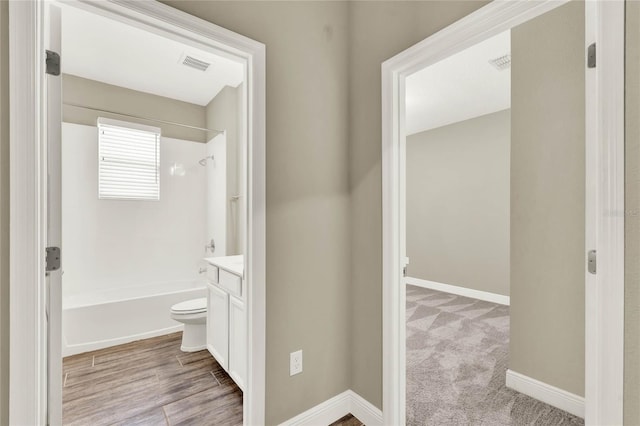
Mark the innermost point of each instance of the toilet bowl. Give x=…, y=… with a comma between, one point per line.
x=193, y=314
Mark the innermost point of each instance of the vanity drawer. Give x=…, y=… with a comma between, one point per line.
x=230, y=282
x=212, y=274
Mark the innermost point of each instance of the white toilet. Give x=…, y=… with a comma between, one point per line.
x=193, y=314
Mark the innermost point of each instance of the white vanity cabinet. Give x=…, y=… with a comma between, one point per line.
x=227, y=318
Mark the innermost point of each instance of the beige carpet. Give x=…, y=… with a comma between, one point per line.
x=457, y=357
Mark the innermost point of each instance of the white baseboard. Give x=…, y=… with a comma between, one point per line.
x=68, y=350
x=365, y=411
x=460, y=291
x=544, y=392
x=327, y=412
x=349, y=402
x=324, y=413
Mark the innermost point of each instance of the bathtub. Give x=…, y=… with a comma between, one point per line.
x=112, y=317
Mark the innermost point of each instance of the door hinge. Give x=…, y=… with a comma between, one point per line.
x=591, y=56
x=404, y=271
x=53, y=63
x=53, y=259
x=592, y=261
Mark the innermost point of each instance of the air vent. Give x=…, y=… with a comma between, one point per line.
x=192, y=62
x=501, y=63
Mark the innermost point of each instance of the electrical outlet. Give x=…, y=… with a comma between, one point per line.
x=295, y=363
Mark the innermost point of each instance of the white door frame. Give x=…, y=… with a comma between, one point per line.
x=28, y=376
x=604, y=304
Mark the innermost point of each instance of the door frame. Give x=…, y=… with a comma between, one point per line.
x=28, y=339
x=604, y=305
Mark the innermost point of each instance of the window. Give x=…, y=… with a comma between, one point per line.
x=128, y=161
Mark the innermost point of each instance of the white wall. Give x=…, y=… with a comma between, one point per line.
x=109, y=244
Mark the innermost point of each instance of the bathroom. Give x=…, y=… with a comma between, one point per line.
x=153, y=221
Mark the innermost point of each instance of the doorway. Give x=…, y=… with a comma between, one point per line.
x=34, y=351
x=602, y=180
x=153, y=193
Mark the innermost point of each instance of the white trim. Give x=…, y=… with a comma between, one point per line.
x=556, y=397
x=460, y=291
x=604, y=313
x=365, y=411
x=605, y=212
x=27, y=339
x=327, y=412
x=27, y=404
x=324, y=413
x=591, y=210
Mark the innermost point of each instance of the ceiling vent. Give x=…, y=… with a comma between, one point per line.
x=501, y=63
x=195, y=63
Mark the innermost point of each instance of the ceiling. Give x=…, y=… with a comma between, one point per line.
x=459, y=87
x=112, y=52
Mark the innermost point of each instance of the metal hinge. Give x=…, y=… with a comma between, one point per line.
x=53, y=259
x=592, y=261
x=591, y=56
x=53, y=63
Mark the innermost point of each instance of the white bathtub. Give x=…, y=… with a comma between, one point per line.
x=101, y=319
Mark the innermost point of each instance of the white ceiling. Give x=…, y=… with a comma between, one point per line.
x=112, y=52
x=459, y=87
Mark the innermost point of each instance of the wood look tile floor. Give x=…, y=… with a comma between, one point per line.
x=348, y=420
x=148, y=382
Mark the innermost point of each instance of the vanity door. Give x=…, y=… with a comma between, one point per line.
x=218, y=325
x=237, y=341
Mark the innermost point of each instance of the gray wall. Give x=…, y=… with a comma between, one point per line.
x=458, y=203
x=222, y=114
x=4, y=212
x=378, y=31
x=307, y=192
x=632, y=218
x=547, y=198
x=82, y=91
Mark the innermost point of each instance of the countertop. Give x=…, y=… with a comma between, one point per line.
x=232, y=264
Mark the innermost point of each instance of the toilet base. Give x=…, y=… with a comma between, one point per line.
x=194, y=337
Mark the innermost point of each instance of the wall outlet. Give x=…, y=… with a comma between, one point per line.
x=295, y=363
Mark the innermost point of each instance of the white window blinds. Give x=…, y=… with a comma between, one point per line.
x=128, y=161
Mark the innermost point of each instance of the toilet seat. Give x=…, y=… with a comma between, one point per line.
x=193, y=306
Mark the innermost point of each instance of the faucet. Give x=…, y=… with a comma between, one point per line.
x=211, y=246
